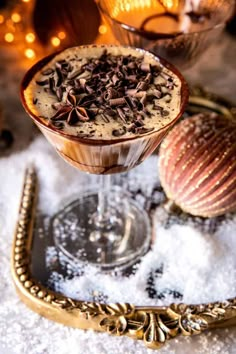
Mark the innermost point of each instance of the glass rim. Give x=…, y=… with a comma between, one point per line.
x=88, y=141
x=163, y=35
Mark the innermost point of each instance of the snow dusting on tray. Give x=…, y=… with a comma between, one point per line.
x=192, y=260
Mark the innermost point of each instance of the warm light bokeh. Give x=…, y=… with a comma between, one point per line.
x=29, y=53
x=55, y=41
x=30, y=37
x=61, y=35
x=9, y=37
x=102, y=29
x=16, y=17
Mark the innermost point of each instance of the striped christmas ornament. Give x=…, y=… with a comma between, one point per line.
x=197, y=165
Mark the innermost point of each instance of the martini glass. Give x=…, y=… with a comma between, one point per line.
x=103, y=227
x=178, y=30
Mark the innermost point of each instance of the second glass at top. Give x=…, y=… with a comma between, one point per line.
x=177, y=30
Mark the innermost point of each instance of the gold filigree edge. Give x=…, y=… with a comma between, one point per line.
x=153, y=325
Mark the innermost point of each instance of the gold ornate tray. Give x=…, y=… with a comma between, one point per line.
x=154, y=325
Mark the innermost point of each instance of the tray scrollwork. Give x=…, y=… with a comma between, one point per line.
x=153, y=325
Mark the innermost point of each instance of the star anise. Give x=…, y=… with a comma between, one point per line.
x=72, y=110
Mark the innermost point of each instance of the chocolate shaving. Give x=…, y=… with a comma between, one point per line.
x=140, y=94
x=170, y=84
x=111, y=94
x=110, y=112
x=111, y=87
x=59, y=77
x=143, y=130
x=132, y=78
x=165, y=113
x=52, y=85
x=143, y=99
x=142, y=86
x=131, y=92
x=139, y=122
x=165, y=76
x=148, y=78
x=47, y=72
x=89, y=89
x=119, y=132
x=105, y=118
x=145, y=67
x=117, y=101
x=58, y=125
x=92, y=112
x=115, y=79
x=139, y=129
x=130, y=102
x=35, y=100
x=121, y=115
x=131, y=65
x=82, y=135
x=152, y=96
x=74, y=74
x=42, y=83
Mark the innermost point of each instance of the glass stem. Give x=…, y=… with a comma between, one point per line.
x=103, y=195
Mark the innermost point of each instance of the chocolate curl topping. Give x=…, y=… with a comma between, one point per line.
x=47, y=72
x=121, y=115
x=119, y=132
x=148, y=78
x=42, y=82
x=74, y=74
x=142, y=86
x=143, y=99
x=110, y=87
x=111, y=94
x=117, y=101
x=145, y=67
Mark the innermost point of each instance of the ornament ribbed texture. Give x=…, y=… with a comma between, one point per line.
x=198, y=165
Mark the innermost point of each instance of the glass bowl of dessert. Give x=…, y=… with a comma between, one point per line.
x=177, y=30
x=104, y=109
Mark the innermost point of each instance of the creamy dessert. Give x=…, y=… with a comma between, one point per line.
x=104, y=93
x=105, y=109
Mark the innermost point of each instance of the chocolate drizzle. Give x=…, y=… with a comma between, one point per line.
x=113, y=87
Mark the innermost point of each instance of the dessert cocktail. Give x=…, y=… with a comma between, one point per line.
x=105, y=109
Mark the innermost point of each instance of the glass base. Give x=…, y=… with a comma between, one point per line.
x=117, y=240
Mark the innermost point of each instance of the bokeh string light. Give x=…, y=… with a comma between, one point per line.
x=16, y=29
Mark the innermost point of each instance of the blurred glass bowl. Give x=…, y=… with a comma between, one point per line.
x=177, y=30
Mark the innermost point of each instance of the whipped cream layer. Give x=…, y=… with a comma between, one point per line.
x=104, y=92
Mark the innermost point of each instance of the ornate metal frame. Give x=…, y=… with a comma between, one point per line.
x=153, y=325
